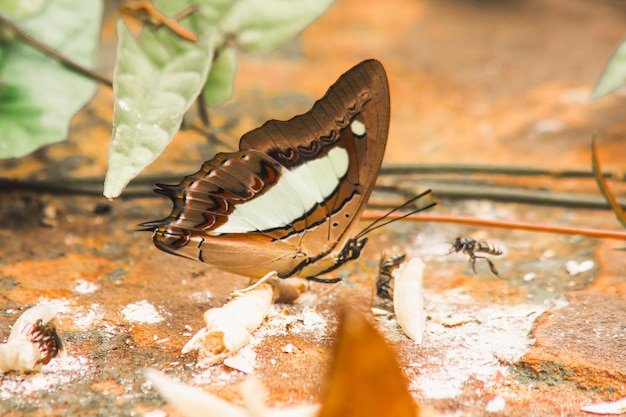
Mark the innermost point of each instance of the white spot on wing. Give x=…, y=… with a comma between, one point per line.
x=296, y=192
x=358, y=128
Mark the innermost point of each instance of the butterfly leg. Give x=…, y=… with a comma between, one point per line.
x=324, y=280
x=262, y=280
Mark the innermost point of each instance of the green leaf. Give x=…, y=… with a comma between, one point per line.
x=158, y=76
x=20, y=9
x=220, y=84
x=614, y=74
x=154, y=85
x=38, y=96
x=262, y=25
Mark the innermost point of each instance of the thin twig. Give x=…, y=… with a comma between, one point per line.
x=65, y=61
x=407, y=169
x=595, y=233
x=142, y=187
x=603, y=186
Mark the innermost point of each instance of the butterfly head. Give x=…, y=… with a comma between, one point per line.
x=352, y=250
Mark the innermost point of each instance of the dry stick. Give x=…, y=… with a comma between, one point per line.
x=67, y=62
x=142, y=187
x=602, y=185
x=408, y=169
x=595, y=233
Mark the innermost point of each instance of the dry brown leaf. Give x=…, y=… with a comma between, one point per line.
x=364, y=378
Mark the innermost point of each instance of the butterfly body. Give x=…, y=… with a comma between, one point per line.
x=287, y=200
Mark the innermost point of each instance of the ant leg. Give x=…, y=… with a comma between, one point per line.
x=472, y=261
x=492, y=267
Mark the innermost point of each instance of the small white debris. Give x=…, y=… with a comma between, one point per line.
x=228, y=328
x=141, y=312
x=529, y=276
x=193, y=402
x=288, y=348
x=495, y=405
x=155, y=413
x=408, y=298
x=244, y=360
x=574, y=268
x=379, y=311
x=85, y=321
x=452, y=320
x=85, y=287
x=311, y=319
x=201, y=296
x=613, y=407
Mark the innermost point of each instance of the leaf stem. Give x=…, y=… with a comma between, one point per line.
x=64, y=60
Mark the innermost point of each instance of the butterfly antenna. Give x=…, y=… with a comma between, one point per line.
x=377, y=223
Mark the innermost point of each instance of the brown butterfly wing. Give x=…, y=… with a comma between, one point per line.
x=286, y=201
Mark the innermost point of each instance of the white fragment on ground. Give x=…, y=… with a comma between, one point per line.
x=612, y=407
x=244, y=360
x=60, y=305
x=192, y=402
x=228, y=328
x=85, y=287
x=155, y=413
x=288, y=348
x=574, y=268
x=379, y=311
x=495, y=405
x=408, y=298
x=141, y=312
x=452, y=320
x=94, y=314
x=20, y=353
x=311, y=320
x=479, y=349
x=56, y=375
x=201, y=296
x=529, y=276
x=279, y=322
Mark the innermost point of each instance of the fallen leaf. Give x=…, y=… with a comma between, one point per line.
x=364, y=378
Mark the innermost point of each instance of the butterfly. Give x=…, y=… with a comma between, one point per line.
x=289, y=198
